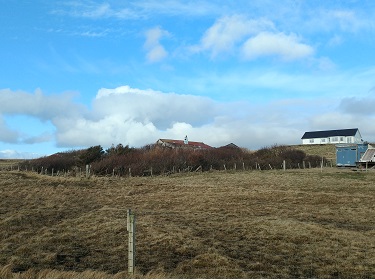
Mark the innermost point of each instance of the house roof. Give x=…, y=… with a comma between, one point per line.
x=191, y=144
x=330, y=133
x=231, y=145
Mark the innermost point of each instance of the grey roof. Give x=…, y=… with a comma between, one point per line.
x=330, y=133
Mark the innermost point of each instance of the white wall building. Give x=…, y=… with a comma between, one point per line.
x=338, y=136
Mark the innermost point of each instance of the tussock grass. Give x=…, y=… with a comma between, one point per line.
x=253, y=224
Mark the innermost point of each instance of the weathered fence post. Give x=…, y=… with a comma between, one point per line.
x=131, y=241
x=87, y=170
x=243, y=165
x=235, y=166
x=284, y=165
x=130, y=172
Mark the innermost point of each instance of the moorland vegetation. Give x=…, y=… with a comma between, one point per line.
x=122, y=160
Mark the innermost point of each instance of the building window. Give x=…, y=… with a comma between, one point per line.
x=311, y=140
x=341, y=139
x=335, y=139
x=323, y=140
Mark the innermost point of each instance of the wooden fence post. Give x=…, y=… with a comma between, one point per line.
x=87, y=171
x=284, y=165
x=131, y=241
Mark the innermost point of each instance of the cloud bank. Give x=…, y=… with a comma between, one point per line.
x=138, y=117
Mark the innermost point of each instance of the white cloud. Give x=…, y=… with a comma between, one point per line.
x=92, y=10
x=7, y=135
x=155, y=51
x=37, y=104
x=137, y=117
x=287, y=47
x=162, y=109
x=228, y=31
x=13, y=154
x=361, y=107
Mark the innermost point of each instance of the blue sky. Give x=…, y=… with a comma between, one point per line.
x=256, y=73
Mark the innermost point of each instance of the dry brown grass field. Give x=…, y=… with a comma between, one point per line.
x=246, y=224
x=8, y=163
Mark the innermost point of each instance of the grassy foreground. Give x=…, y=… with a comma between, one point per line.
x=252, y=224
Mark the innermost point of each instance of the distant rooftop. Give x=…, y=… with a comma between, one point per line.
x=181, y=143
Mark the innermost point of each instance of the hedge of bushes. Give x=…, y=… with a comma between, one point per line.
x=163, y=160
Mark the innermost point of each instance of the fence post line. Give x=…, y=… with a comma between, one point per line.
x=131, y=241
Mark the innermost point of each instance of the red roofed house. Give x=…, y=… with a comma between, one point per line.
x=182, y=144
